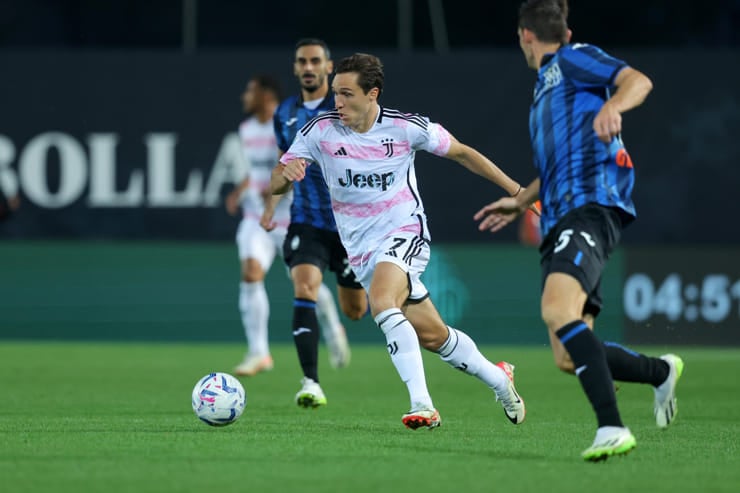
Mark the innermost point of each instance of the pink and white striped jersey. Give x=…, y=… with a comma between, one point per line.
x=371, y=176
x=260, y=149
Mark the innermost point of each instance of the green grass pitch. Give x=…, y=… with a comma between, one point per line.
x=89, y=417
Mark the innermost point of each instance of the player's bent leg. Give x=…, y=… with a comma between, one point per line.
x=403, y=348
x=562, y=298
x=428, y=324
x=306, y=281
x=352, y=301
x=459, y=351
x=388, y=290
x=562, y=359
x=332, y=329
x=255, y=311
x=326, y=307
x=402, y=344
x=562, y=301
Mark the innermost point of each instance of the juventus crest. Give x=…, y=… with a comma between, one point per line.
x=388, y=144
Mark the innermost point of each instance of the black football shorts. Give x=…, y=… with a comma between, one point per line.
x=579, y=245
x=305, y=244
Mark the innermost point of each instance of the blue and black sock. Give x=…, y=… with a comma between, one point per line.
x=306, y=336
x=627, y=365
x=589, y=358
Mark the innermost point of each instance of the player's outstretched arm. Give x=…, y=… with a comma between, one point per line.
x=295, y=170
x=279, y=184
x=632, y=88
x=503, y=211
x=235, y=196
x=283, y=175
x=481, y=165
x=268, y=213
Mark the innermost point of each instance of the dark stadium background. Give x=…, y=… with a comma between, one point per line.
x=122, y=70
x=238, y=24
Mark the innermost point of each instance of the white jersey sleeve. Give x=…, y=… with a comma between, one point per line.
x=301, y=148
x=434, y=138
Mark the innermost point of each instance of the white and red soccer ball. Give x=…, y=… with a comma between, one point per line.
x=219, y=399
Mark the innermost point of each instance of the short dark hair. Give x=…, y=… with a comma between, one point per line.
x=314, y=42
x=547, y=19
x=269, y=83
x=369, y=70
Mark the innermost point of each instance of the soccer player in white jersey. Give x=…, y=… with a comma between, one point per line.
x=257, y=247
x=366, y=153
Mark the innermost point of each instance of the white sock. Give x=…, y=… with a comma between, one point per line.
x=460, y=351
x=326, y=312
x=255, y=310
x=403, y=346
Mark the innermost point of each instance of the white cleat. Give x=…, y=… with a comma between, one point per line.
x=610, y=440
x=513, y=404
x=310, y=396
x=420, y=418
x=666, y=407
x=253, y=365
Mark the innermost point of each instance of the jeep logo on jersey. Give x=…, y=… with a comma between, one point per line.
x=372, y=180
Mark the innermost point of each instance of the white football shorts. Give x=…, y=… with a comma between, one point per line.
x=254, y=242
x=406, y=250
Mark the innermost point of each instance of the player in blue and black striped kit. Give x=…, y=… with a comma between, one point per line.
x=585, y=185
x=312, y=243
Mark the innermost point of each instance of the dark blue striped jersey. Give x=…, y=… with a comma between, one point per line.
x=575, y=167
x=311, y=203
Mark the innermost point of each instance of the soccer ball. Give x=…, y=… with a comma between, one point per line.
x=219, y=399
